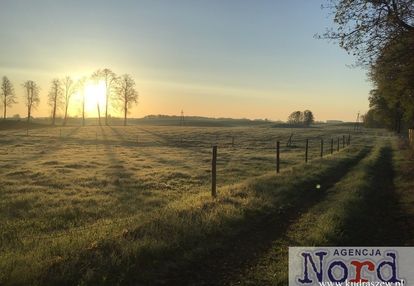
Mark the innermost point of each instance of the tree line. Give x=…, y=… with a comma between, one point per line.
x=380, y=33
x=120, y=91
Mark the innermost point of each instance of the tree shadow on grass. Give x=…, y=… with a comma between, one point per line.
x=376, y=221
x=182, y=162
x=52, y=146
x=170, y=142
x=257, y=232
x=131, y=191
x=123, y=179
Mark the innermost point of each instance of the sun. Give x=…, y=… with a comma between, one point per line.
x=94, y=96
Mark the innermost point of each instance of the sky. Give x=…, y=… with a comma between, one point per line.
x=217, y=58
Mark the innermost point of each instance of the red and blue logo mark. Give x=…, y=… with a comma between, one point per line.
x=350, y=266
x=316, y=267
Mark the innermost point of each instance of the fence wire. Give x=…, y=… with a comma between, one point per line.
x=141, y=137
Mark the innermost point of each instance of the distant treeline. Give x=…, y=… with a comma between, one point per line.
x=165, y=120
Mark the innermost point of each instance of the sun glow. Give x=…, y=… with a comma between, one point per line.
x=94, y=95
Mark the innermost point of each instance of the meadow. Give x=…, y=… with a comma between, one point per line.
x=113, y=205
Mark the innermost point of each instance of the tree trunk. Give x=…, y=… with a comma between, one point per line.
x=99, y=114
x=399, y=115
x=54, y=113
x=83, y=110
x=5, y=107
x=125, y=113
x=106, y=107
x=399, y=124
x=66, y=114
x=28, y=115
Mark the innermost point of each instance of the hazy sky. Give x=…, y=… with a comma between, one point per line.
x=220, y=58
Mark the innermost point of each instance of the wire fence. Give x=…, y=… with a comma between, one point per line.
x=309, y=147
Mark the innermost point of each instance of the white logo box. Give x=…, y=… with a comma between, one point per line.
x=317, y=265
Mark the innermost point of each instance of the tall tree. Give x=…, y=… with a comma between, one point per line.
x=381, y=34
x=364, y=27
x=8, y=96
x=55, y=97
x=384, y=111
x=32, y=97
x=126, y=94
x=96, y=78
x=80, y=86
x=69, y=89
x=371, y=119
x=392, y=74
x=308, y=118
x=110, y=79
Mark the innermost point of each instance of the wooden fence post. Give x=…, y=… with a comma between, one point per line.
x=349, y=139
x=213, y=172
x=232, y=141
x=306, y=150
x=277, y=156
x=332, y=142
x=321, y=147
x=337, y=148
x=343, y=141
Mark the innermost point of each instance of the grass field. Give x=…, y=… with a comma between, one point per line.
x=124, y=205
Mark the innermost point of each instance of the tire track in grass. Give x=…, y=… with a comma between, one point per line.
x=244, y=248
x=349, y=216
x=404, y=184
x=373, y=220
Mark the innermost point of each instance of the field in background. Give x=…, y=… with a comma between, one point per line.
x=65, y=189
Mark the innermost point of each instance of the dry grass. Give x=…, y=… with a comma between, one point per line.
x=121, y=197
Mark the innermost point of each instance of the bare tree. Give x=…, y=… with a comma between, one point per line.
x=126, y=94
x=80, y=86
x=55, y=97
x=95, y=77
x=32, y=97
x=7, y=95
x=110, y=79
x=69, y=89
